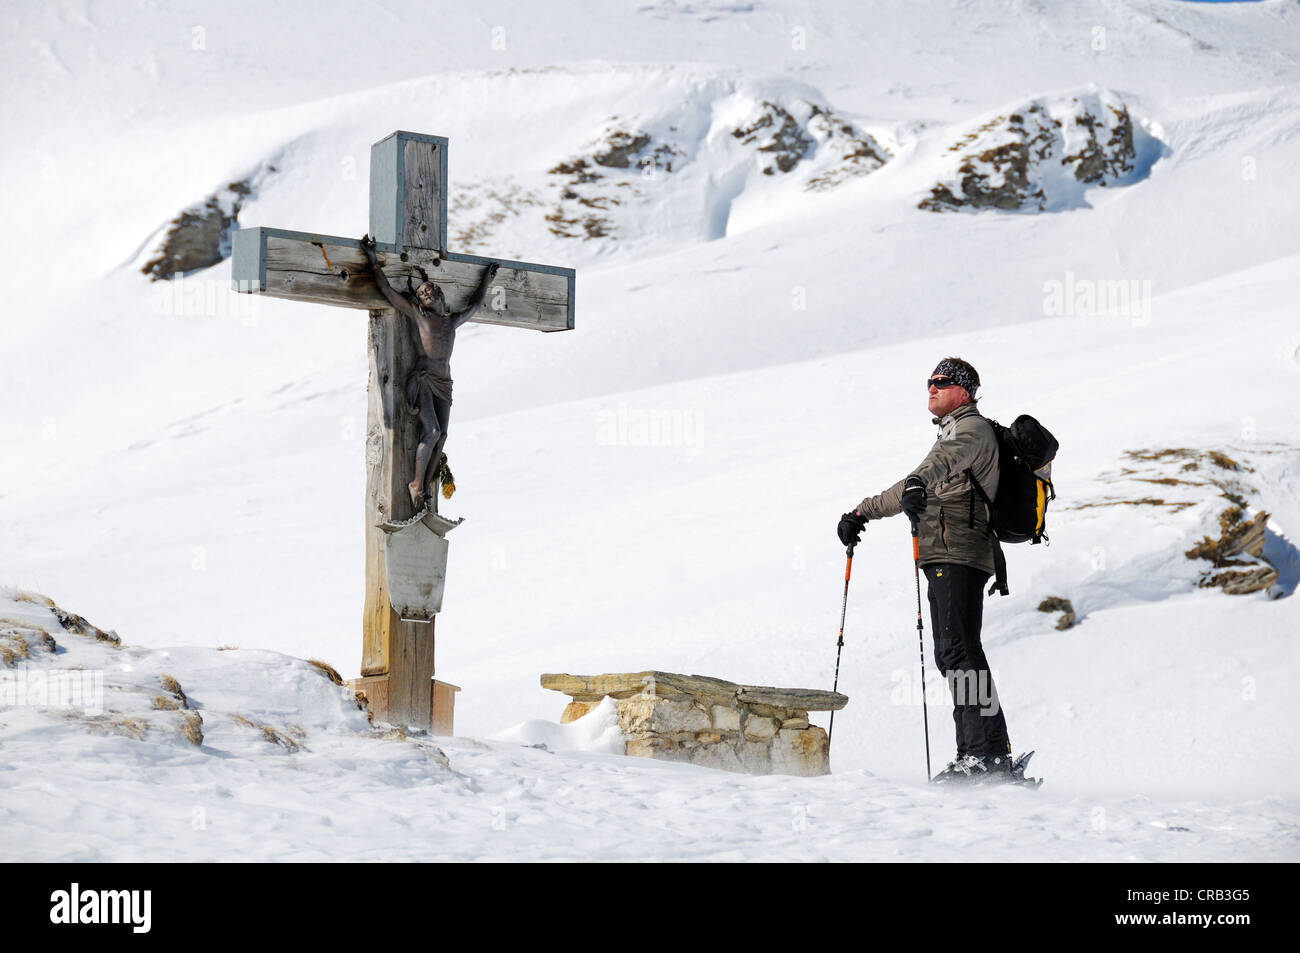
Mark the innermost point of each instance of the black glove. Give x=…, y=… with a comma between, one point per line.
x=850, y=528
x=913, y=502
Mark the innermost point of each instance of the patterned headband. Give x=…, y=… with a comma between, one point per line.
x=963, y=376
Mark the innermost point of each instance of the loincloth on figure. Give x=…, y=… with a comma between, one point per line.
x=425, y=378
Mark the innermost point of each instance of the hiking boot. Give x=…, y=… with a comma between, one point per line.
x=956, y=770
x=997, y=764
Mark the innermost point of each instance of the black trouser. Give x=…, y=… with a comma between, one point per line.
x=956, y=613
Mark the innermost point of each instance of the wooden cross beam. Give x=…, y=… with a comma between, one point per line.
x=408, y=220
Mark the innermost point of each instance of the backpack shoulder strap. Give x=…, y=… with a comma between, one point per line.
x=999, y=570
x=970, y=473
x=999, y=558
x=979, y=491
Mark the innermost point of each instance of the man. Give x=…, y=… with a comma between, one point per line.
x=957, y=556
x=428, y=386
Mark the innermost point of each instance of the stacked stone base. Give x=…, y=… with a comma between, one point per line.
x=708, y=722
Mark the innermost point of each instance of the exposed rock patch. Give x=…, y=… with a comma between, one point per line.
x=1237, y=563
x=780, y=141
x=199, y=236
x=78, y=625
x=1063, y=606
x=855, y=151
x=615, y=168
x=633, y=161
x=18, y=640
x=174, y=690
x=1240, y=545
x=1175, y=467
x=1040, y=156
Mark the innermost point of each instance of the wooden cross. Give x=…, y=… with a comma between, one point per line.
x=408, y=220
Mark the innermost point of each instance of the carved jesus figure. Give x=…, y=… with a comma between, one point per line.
x=428, y=386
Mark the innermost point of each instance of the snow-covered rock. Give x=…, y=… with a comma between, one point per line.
x=1042, y=155
x=200, y=236
x=681, y=164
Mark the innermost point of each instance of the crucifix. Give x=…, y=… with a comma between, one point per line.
x=406, y=545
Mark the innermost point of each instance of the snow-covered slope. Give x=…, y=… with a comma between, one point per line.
x=287, y=769
x=657, y=488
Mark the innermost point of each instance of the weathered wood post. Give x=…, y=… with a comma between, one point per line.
x=408, y=220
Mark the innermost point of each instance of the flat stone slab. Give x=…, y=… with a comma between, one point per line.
x=592, y=688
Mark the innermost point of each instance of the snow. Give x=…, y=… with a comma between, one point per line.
x=596, y=731
x=541, y=792
x=657, y=488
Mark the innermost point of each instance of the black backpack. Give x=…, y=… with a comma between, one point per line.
x=1026, y=450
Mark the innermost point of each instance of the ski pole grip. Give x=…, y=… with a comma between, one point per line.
x=916, y=540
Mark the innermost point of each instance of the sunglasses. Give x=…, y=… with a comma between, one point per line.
x=939, y=382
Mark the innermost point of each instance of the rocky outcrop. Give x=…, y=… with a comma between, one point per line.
x=852, y=151
x=632, y=161
x=708, y=721
x=1040, y=156
x=610, y=172
x=199, y=237
x=779, y=140
x=1063, y=606
x=1237, y=555
x=1187, y=476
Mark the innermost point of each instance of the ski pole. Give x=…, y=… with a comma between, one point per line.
x=920, y=641
x=848, y=570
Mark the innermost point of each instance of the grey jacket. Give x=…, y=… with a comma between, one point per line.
x=966, y=439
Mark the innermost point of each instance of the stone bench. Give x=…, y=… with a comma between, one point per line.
x=708, y=721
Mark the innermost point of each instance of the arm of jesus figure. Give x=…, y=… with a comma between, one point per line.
x=400, y=304
x=460, y=317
